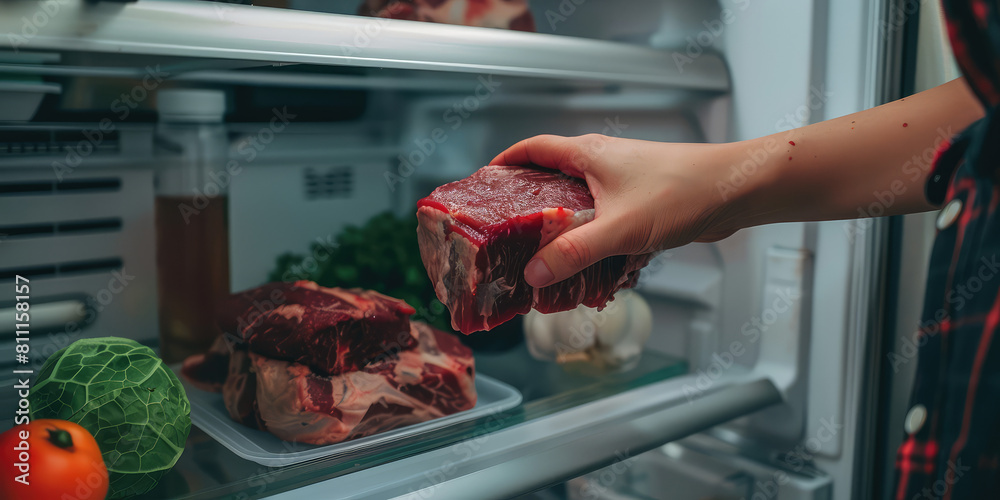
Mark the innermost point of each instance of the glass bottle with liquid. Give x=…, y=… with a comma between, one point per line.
x=192, y=228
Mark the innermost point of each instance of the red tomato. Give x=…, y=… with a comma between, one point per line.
x=49, y=459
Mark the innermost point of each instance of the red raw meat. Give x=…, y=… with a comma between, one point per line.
x=208, y=371
x=331, y=330
x=433, y=377
x=506, y=14
x=476, y=235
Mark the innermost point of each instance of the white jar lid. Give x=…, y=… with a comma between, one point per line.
x=191, y=105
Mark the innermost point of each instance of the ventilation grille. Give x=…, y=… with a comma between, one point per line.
x=47, y=142
x=62, y=269
x=329, y=183
x=60, y=225
x=61, y=228
x=19, y=188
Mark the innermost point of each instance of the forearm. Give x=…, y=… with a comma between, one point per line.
x=870, y=163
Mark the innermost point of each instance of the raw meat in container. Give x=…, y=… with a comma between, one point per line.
x=276, y=379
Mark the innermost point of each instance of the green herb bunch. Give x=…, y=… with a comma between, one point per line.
x=381, y=255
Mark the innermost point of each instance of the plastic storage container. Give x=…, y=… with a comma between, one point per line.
x=209, y=413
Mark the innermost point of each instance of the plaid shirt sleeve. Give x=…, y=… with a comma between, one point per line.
x=952, y=445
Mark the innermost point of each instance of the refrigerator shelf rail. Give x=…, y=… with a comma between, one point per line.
x=566, y=426
x=547, y=451
x=198, y=33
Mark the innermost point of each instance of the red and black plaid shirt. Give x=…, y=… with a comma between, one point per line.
x=952, y=444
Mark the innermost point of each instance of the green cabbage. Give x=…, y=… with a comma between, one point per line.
x=127, y=398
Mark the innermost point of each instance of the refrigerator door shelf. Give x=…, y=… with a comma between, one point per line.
x=784, y=349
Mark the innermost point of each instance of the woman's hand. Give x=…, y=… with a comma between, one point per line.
x=651, y=196
x=648, y=196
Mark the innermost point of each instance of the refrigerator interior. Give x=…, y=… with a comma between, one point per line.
x=778, y=317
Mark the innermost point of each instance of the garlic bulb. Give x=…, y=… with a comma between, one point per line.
x=612, y=338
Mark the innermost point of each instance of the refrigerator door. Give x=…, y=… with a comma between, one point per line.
x=912, y=237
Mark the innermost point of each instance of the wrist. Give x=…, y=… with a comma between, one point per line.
x=746, y=183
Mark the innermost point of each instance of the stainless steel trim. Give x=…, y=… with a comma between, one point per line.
x=207, y=30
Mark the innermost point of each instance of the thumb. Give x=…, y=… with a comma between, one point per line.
x=570, y=253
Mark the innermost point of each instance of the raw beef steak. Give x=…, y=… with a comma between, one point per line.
x=435, y=378
x=476, y=235
x=331, y=330
x=423, y=374
x=507, y=14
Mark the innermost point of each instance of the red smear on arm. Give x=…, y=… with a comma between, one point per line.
x=906, y=124
x=791, y=142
